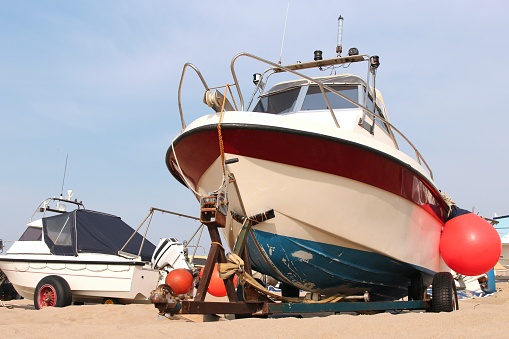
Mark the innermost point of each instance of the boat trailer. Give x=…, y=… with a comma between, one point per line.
x=256, y=302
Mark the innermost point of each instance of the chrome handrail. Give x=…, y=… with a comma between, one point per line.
x=291, y=69
x=180, y=88
x=280, y=68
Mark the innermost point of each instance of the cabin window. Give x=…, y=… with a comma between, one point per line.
x=380, y=123
x=278, y=103
x=314, y=98
x=31, y=234
x=378, y=113
x=58, y=233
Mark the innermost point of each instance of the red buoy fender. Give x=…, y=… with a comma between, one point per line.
x=216, y=284
x=470, y=245
x=180, y=280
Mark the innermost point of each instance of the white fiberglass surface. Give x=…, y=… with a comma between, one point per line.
x=330, y=209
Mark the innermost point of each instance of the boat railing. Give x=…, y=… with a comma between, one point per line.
x=277, y=68
x=148, y=220
x=291, y=69
x=188, y=65
x=207, y=90
x=45, y=206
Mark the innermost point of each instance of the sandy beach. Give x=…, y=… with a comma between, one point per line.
x=477, y=318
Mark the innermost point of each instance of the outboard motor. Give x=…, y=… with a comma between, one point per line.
x=170, y=252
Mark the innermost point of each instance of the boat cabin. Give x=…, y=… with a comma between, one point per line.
x=82, y=231
x=346, y=94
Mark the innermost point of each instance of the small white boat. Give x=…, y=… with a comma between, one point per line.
x=86, y=256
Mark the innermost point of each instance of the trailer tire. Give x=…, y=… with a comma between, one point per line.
x=110, y=301
x=52, y=291
x=444, y=296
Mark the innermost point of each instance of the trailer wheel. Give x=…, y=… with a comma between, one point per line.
x=52, y=291
x=444, y=296
x=110, y=301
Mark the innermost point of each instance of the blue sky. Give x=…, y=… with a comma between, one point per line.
x=97, y=81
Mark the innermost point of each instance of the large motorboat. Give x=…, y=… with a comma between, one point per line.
x=355, y=206
x=86, y=256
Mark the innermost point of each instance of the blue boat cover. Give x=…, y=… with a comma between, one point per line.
x=93, y=232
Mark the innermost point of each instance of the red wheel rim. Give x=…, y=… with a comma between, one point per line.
x=47, y=296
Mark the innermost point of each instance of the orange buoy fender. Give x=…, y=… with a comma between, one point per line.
x=217, y=287
x=180, y=280
x=469, y=245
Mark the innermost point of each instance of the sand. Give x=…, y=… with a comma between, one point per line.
x=477, y=318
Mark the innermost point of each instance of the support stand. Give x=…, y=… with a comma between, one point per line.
x=213, y=218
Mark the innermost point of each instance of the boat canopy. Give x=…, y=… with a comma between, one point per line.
x=92, y=232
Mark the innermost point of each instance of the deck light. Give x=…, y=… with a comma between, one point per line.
x=318, y=55
x=353, y=51
x=374, y=62
x=256, y=78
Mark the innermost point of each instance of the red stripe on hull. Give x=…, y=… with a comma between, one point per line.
x=199, y=148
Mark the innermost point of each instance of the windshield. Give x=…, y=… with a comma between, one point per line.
x=277, y=103
x=314, y=98
x=286, y=101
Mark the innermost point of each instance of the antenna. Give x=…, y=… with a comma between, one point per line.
x=339, y=47
x=63, y=180
x=284, y=32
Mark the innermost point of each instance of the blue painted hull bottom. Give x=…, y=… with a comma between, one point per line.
x=329, y=269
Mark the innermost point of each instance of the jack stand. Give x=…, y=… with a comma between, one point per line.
x=240, y=249
x=213, y=217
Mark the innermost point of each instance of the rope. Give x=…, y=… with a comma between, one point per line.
x=236, y=266
x=221, y=147
x=217, y=243
x=448, y=200
x=219, y=134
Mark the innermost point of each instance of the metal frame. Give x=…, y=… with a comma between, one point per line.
x=276, y=68
x=256, y=304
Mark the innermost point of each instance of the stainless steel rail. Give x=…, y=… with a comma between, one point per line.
x=276, y=68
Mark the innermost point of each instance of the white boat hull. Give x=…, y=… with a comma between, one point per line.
x=88, y=280
x=329, y=195
x=331, y=210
